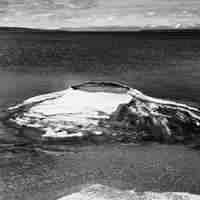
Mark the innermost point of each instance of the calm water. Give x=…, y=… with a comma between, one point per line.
x=164, y=65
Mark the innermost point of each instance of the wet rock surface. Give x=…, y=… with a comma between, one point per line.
x=103, y=112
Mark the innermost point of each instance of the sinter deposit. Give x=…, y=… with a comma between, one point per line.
x=106, y=110
x=101, y=192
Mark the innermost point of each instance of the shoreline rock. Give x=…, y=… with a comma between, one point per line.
x=101, y=192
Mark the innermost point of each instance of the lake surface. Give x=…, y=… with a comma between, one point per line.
x=163, y=65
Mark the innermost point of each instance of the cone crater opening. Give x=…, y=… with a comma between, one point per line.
x=102, y=87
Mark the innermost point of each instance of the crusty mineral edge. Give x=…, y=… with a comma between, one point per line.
x=81, y=107
x=100, y=192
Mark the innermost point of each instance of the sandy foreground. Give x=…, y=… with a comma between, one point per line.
x=52, y=171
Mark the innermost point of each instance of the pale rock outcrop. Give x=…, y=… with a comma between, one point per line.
x=107, y=110
x=100, y=192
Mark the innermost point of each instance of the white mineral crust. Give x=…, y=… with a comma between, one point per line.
x=60, y=112
x=100, y=192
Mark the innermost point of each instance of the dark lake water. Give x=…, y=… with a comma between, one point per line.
x=163, y=65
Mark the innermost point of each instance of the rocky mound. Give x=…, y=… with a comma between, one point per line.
x=105, y=111
x=100, y=192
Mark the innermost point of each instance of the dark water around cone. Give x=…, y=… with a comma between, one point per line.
x=162, y=65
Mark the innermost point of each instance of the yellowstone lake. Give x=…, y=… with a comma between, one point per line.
x=159, y=64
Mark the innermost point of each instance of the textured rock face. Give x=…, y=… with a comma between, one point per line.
x=106, y=110
x=100, y=192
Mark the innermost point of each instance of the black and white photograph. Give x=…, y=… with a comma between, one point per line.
x=99, y=100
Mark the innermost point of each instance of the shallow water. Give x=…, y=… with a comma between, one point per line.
x=158, y=64
x=52, y=171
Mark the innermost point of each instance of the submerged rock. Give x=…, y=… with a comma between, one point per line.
x=107, y=111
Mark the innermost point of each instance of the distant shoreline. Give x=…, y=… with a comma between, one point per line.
x=96, y=29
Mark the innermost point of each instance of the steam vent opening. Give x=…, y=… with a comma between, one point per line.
x=102, y=87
